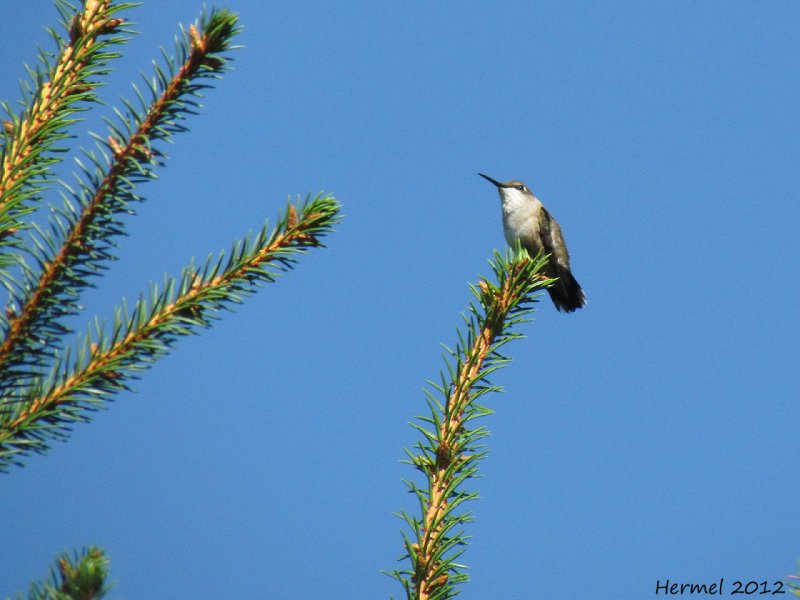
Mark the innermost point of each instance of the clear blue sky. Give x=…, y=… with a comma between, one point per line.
x=652, y=435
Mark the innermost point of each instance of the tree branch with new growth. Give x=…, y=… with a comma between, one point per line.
x=48, y=379
x=47, y=383
x=450, y=448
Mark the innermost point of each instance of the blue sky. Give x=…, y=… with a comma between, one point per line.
x=651, y=436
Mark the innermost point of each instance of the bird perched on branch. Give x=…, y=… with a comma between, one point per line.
x=525, y=219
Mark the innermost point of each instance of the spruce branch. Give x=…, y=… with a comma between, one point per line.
x=79, y=577
x=450, y=448
x=57, y=91
x=104, y=363
x=90, y=219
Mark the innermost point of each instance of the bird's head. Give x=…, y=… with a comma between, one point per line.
x=510, y=190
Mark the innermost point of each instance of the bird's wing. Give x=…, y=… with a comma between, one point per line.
x=566, y=293
x=552, y=239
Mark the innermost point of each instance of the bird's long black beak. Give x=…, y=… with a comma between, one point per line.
x=487, y=178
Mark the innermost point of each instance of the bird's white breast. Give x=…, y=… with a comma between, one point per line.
x=520, y=217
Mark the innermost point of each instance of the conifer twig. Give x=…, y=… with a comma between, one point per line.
x=81, y=576
x=50, y=295
x=449, y=451
x=42, y=303
x=81, y=57
x=104, y=364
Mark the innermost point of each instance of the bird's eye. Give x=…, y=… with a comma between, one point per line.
x=521, y=187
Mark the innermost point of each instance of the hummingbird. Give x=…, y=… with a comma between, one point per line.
x=525, y=219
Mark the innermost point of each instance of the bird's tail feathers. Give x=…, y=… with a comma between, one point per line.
x=566, y=293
